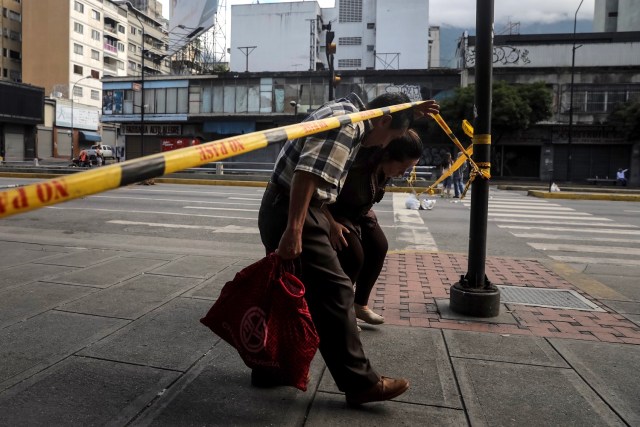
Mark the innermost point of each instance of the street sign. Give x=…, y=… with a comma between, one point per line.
x=137, y=87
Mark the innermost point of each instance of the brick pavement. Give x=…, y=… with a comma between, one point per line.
x=411, y=282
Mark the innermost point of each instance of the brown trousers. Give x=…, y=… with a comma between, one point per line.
x=329, y=292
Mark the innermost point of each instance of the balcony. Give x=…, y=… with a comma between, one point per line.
x=110, y=48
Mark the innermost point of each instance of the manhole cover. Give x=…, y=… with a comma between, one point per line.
x=554, y=298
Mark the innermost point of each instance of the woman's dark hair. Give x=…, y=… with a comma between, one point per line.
x=407, y=147
x=400, y=119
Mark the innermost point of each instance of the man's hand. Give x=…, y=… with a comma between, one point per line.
x=336, y=236
x=426, y=108
x=290, y=245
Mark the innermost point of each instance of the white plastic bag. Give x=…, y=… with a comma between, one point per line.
x=412, y=202
x=554, y=188
x=427, y=204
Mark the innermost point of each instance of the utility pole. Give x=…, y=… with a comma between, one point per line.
x=474, y=295
x=573, y=65
x=247, y=50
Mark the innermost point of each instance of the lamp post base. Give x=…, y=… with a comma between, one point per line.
x=475, y=302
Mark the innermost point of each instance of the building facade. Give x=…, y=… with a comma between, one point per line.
x=11, y=40
x=212, y=107
x=19, y=120
x=606, y=73
x=68, y=46
x=370, y=35
x=612, y=16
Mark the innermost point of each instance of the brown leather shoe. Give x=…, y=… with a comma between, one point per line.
x=385, y=389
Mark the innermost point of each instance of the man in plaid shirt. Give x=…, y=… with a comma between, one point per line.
x=309, y=173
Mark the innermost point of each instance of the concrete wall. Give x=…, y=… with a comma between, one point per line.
x=404, y=30
x=280, y=32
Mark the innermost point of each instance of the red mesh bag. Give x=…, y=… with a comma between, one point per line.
x=263, y=315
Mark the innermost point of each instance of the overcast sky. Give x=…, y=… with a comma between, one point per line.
x=461, y=13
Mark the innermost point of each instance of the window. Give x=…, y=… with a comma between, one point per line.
x=120, y=65
x=349, y=41
x=132, y=48
x=121, y=29
x=78, y=28
x=15, y=16
x=350, y=11
x=133, y=30
x=95, y=94
x=370, y=48
x=95, y=54
x=95, y=14
x=371, y=26
x=77, y=69
x=120, y=47
x=349, y=63
x=132, y=65
x=78, y=49
x=95, y=35
x=77, y=91
x=78, y=7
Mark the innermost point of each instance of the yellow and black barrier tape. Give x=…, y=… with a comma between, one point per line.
x=81, y=184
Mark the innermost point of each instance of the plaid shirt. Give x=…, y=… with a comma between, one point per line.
x=328, y=155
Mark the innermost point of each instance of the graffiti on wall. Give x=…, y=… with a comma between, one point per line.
x=412, y=91
x=505, y=55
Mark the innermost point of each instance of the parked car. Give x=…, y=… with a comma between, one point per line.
x=105, y=150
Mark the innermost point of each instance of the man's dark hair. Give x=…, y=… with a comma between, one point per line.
x=400, y=119
x=407, y=147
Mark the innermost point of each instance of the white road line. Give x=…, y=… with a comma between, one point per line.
x=563, y=247
x=530, y=208
x=539, y=212
x=589, y=260
x=572, y=237
x=518, y=204
x=166, y=190
x=514, y=201
x=233, y=229
x=259, y=199
x=548, y=221
x=175, y=200
x=577, y=230
x=516, y=215
x=410, y=226
x=253, y=218
x=220, y=209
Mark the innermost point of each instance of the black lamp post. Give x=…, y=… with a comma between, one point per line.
x=128, y=3
x=573, y=64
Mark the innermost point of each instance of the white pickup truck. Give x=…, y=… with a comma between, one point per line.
x=105, y=150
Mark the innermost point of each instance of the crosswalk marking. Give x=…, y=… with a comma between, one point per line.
x=410, y=226
x=562, y=233
x=577, y=230
x=585, y=248
x=548, y=221
x=575, y=238
x=590, y=260
x=510, y=215
x=232, y=229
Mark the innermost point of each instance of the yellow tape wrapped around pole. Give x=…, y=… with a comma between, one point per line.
x=81, y=184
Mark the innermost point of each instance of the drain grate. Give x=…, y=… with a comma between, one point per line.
x=553, y=298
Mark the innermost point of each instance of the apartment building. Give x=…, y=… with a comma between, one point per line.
x=68, y=46
x=11, y=40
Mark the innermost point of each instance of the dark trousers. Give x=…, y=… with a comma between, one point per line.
x=363, y=258
x=329, y=292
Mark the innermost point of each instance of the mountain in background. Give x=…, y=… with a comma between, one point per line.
x=449, y=36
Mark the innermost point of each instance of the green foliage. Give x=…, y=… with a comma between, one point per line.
x=626, y=118
x=514, y=107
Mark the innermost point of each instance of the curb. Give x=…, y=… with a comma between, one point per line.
x=584, y=196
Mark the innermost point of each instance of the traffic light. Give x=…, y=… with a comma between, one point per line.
x=330, y=46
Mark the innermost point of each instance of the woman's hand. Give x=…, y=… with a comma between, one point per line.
x=336, y=235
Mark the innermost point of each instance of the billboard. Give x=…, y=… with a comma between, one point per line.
x=188, y=19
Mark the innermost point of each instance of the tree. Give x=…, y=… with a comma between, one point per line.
x=514, y=107
x=626, y=118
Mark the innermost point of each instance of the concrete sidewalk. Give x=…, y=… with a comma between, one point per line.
x=110, y=336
